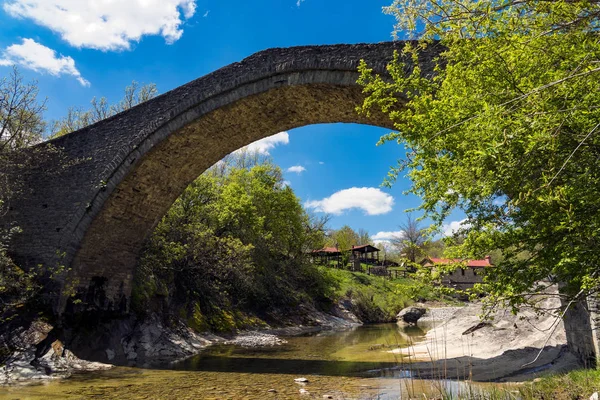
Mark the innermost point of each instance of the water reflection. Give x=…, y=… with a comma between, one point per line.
x=363, y=351
x=353, y=364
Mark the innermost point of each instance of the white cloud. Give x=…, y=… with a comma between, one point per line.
x=386, y=235
x=297, y=169
x=299, y=2
x=383, y=245
x=206, y=13
x=321, y=162
x=106, y=24
x=40, y=58
x=372, y=200
x=452, y=227
x=263, y=146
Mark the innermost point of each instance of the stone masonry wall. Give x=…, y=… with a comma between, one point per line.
x=96, y=194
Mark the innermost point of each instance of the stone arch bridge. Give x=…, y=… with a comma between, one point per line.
x=91, y=204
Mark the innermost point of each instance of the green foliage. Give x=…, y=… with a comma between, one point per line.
x=573, y=385
x=374, y=298
x=24, y=293
x=343, y=238
x=233, y=246
x=506, y=130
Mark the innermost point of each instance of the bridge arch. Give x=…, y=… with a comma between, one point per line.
x=125, y=172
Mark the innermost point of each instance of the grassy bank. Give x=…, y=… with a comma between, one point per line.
x=580, y=384
x=374, y=298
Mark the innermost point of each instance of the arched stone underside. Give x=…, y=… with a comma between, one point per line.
x=91, y=205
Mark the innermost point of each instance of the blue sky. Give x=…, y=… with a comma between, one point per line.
x=78, y=49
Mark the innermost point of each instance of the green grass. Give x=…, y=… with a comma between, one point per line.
x=376, y=299
x=580, y=384
x=575, y=385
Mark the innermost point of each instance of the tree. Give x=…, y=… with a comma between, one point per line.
x=506, y=130
x=21, y=113
x=343, y=238
x=237, y=239
x=363, y=237
x=412, y=241
x=78, y=118
x=21, y=125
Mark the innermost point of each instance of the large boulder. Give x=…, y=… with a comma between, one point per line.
x=411, y=314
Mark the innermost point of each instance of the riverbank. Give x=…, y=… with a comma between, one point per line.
x=339, y=364
x=508, y=348
x=40, y=355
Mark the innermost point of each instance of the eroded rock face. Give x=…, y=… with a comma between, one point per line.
x=36, y=354
x=133, y=342
x=412, y=314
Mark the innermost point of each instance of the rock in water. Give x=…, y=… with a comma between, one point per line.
x=411, y=314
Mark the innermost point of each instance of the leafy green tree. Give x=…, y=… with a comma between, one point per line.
x=236, y=240
x=506, y=129
x=344, y=238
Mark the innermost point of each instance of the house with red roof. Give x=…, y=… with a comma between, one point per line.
x=466, y=274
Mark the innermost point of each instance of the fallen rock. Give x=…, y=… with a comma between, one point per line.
x=411, y=314
x=594, y=396
x=304, y=391
x=301, y=380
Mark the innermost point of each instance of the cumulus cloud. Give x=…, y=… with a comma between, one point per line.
x=371, y=200
x=386, y=235
x=39, y=58
x=452, y=227
x=297, y=169
x=264, y=145
x=108, y=24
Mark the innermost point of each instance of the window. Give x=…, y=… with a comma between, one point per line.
x=462, y=271
x=474, y=272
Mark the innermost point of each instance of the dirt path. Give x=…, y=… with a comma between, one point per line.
x=504, y=349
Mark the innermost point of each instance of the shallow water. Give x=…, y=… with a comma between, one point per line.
x=353, y=364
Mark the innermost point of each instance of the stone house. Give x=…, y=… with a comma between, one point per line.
x=464, y=276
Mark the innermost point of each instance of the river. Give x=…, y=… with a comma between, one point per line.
x=351, y=364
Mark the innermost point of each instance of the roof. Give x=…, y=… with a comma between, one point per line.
x=486, y=262
x=330, y=250
x=364, y=248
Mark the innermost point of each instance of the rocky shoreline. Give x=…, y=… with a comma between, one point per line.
x=39, y=356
